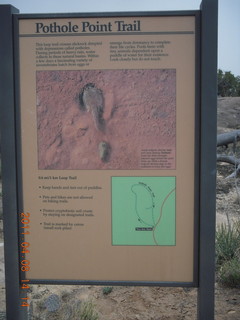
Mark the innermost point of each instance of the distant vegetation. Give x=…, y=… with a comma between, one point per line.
x=228, y=84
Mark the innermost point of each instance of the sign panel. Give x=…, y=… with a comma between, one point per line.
x=107, y=117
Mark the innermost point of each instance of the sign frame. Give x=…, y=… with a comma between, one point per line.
x=196, y=15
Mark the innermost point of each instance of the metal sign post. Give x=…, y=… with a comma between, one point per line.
x=209, y=9
x=14, y=294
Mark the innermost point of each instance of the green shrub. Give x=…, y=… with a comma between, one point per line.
x=229, y=273
x=228, y=254
x=107, y=290
x=88, y=312
x=227, y=243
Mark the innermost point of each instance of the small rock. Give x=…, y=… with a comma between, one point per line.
x=104, y=149
x=53, y=303
x=231, y=311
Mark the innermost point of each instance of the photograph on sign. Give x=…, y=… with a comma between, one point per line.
x=106, y=119
x=108, y=108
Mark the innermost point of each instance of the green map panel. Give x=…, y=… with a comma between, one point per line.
x=144, y=211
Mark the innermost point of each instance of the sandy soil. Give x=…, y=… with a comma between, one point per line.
x=146, y=303
x=73, y=123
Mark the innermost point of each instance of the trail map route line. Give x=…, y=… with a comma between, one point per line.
x=160, y=216
x=154, y=224
x=148, y=189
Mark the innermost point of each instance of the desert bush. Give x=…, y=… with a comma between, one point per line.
x=229, y=273
x=107, y=290
x=227, y=243
x=228, y=254
x=88, y=312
